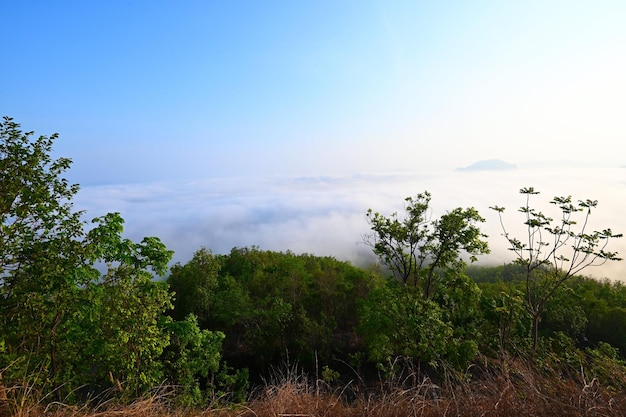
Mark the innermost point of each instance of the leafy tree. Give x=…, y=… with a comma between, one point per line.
x=195, y=285
x=191, y=357
x=419, y=250
x=433, y=315
x=272, y=304
x=604, y=304
x=40, y=259
x=553, y=251
x=565, y=313
x=63, y=323
x=504, y=326
x=118, y=334
x=396, y=323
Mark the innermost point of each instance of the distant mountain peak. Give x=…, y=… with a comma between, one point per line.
x=488, y=165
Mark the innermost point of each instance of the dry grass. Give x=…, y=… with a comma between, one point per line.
x=519, y=392
x=512, y=390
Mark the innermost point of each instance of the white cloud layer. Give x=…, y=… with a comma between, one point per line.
x=325, y=215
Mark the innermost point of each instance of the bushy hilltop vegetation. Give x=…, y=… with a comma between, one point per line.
x=218, y=325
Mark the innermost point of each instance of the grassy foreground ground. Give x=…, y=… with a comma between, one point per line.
x=510, y=391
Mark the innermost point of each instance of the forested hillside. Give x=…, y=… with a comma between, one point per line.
x=89, y=316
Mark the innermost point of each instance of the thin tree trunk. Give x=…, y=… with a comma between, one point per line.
x=535, y=335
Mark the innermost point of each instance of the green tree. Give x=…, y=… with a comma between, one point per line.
x=42, y=258
x=191, y=358
x=553, y=251
x=195, y=285
x=272, y=304
x=63, y=322
x=504, y=327
x=604, y=304
x=395, y=323
x=419, y=250
x=433, y=315
x=119, y=335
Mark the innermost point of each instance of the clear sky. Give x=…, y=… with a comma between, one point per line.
x=152, y=90
x=279, y=123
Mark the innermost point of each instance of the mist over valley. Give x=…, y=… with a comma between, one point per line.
x=325, y=215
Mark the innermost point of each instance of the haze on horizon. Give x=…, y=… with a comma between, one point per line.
x=199, y=121
x=325, y=215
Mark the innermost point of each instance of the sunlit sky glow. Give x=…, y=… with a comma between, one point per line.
x=147, y=93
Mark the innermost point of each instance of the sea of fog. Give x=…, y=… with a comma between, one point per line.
x=325, y=215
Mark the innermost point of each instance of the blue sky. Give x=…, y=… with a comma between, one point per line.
x=146, y=90
x=169, y=101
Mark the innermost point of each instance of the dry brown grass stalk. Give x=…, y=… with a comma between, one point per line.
x=514, y=390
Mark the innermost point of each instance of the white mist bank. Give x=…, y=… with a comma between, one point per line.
x=326, y=215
